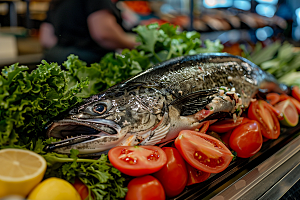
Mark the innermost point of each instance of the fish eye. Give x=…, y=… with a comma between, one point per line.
x=100, y=108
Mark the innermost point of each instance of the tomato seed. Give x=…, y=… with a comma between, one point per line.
x=130, y=160
x=204, y=159
x=153, y=156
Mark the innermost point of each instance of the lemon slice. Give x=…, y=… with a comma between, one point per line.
x=20, y=171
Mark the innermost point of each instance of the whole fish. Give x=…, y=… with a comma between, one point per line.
x=155, y=105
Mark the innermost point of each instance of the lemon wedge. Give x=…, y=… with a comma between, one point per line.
x=20, y=171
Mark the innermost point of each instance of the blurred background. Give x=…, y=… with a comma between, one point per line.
x=233, y=22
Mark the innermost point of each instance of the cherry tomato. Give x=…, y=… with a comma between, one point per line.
x=173, y=175
x=273, y=98
x=203, y=152
x=138, y=160
x=269, y=123
x=81, y=188
x=225, y=125
x=283, y=97
x=195, y=175
x=145, y=188
x=296, y=92
x=246, y=139
x=225, y=138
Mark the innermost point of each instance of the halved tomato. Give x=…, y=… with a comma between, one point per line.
x=195, y=175
x=246, y=139
x=296, y=92
x=203, y=152
x=137, y=160
x=225, y=125
x=273, y=98
x=259, y=111
x=296, y=104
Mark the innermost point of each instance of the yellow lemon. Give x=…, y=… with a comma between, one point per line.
x=54, y=189
x=20, y=171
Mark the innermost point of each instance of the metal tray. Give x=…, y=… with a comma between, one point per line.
x=228, y=183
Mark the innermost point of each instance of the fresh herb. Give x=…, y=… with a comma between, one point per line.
x=102, y=179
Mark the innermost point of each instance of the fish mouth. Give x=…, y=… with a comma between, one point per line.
x=78, y=131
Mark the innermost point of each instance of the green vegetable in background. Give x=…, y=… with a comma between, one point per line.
x=281, y=60
x=157, y=44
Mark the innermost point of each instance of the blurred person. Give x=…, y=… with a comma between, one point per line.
x=87, y=28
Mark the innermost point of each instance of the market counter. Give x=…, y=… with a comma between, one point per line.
x=267, y=175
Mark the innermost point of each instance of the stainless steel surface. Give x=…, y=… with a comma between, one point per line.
x=247, y=186
x=283, y=185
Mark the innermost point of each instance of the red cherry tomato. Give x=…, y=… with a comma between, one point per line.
x=273, y=98
x=81, y=188
x=173, y=175
x=269, y=123
x=138, y=160
x=145, y=188
x=225, y=125
x=195, y=175
x=296, y=92
x=246, y=139
x=203, y=152
x=225, y=138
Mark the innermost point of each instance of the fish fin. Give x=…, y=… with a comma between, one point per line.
x=157, y=135
x=217, y=105
x=193, y=102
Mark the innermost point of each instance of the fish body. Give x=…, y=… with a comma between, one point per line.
x=155, y=105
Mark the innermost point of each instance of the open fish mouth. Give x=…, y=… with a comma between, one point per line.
x=78, y=131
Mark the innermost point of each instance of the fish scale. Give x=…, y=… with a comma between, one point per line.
x=155, y=105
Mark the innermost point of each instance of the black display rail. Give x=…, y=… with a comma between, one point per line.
x=258, y=177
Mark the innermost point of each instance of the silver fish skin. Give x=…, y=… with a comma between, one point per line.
x=155, y=105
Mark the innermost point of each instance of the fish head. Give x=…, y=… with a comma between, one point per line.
x=102, y=121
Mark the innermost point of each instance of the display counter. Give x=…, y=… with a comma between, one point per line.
x=267, y=175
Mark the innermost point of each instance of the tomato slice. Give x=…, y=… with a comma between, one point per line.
x=246, y=139
x=195, y=175
x=296, y=92
x=173, y=175
x=203, y=152
x=225, y=125
x=277, y=112
x=273, y=98
x=205, y=127
x=270, y=127
x=138, y=160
